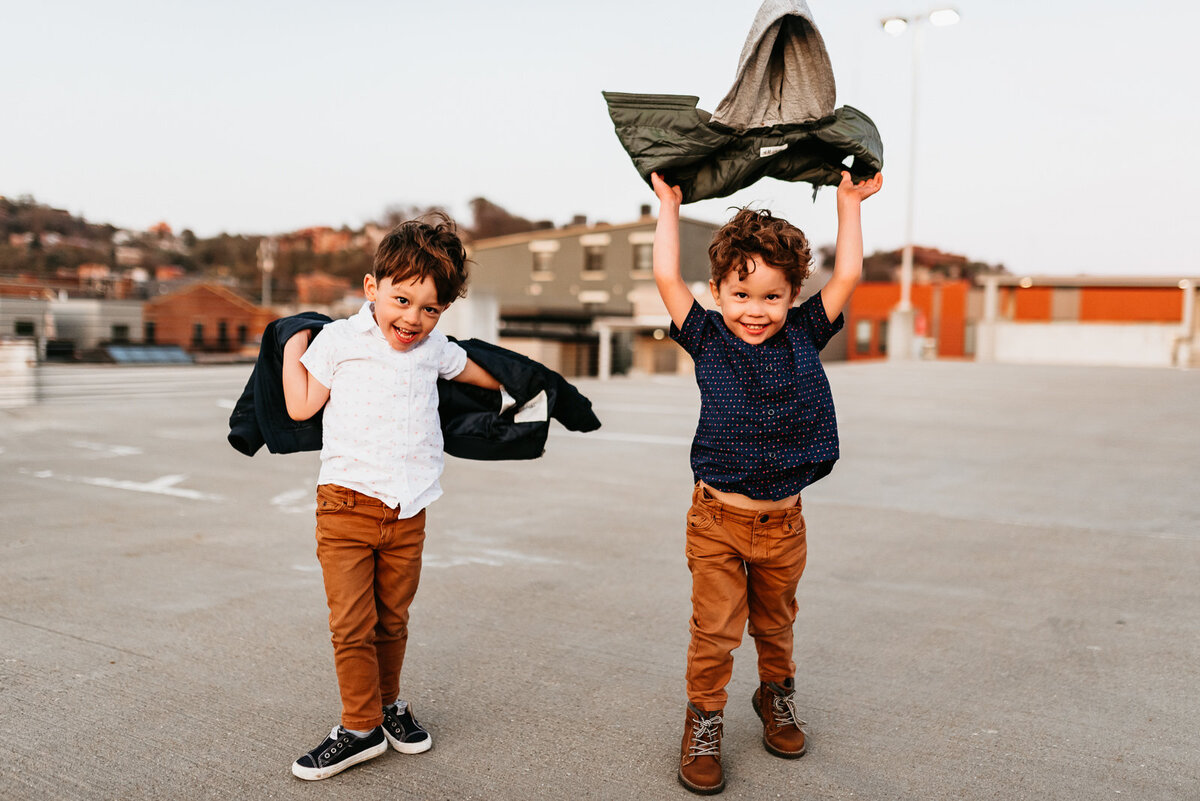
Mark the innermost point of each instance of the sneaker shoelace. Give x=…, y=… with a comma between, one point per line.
x=337, y=736
x=706, y=738
x=784, y=707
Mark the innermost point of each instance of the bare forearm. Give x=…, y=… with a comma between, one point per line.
x=668, y=276
x=848, y=254
x=666, y=246
x=847, y=259
x=475, y=375
x=301, y=393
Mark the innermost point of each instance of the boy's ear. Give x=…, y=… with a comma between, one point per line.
x=716, y=291
x=369, y=287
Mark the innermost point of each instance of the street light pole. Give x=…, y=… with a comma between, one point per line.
x=900, y=339
x=267, y=247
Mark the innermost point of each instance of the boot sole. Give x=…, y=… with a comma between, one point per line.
x=700, y=789
x=316, y=774
x=770, y=748
x=409, y=748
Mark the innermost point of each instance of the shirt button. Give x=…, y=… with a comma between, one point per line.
x=770, y=412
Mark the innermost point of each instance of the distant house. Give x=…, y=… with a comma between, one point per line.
x=572, y=297
x=320, y=289
x=204, y=318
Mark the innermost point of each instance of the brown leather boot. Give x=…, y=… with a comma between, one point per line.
x=700, y=755
x=775, y=704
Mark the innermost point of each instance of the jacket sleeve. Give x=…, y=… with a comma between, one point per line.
x=260, y=415
x=473, y=427
x=244, y=432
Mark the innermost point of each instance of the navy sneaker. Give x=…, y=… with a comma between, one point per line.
x=340, y=750
x=403, y=731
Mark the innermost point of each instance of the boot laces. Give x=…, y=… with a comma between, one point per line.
x=706, y=737
x=784, y=707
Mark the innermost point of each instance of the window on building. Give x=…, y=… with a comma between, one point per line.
x=643, y=257
x=883, y=335
x=243, y=335
x=862, y=337
x=24, y=328
x=541, y=262
x=197, y=334
x=120, y=332
x=150, y=332
x=223, y=333
x=593, y=258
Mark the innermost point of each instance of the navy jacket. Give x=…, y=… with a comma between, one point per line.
x=473, y=426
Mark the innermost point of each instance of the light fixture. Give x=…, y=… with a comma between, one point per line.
x=894, y=25
x=944, y=16
x=1026, y=282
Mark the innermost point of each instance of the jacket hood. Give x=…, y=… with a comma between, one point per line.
x=784, y=75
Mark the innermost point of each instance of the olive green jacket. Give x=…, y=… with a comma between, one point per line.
x=778, y=120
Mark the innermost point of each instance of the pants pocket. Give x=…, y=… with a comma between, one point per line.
x=331, y=498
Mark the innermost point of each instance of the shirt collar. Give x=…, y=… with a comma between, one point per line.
x=364, y=319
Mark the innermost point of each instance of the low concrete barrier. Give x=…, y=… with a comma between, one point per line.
x=18, y=372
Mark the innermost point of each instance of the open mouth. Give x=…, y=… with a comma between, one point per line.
x=754, y=328
x=404, y=336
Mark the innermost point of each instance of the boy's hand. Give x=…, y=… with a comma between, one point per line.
x=665, y=192
x=849, y=191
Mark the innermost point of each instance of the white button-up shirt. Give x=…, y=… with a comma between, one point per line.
x=381, y=434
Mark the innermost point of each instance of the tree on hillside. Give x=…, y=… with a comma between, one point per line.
x=884, y=265
x=489, y=219
x=397, y=213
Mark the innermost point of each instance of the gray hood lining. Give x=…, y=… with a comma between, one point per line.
x=784, y=75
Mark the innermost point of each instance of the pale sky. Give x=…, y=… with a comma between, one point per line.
x=1054, y=137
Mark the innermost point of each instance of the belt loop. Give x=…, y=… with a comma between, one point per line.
x=349, y=498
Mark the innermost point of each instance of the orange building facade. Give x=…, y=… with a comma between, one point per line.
x=940, y=315
x=948, y=313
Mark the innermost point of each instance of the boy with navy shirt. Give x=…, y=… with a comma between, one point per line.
x=376, y=374
x=767, y=430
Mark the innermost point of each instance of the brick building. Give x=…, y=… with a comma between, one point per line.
x=204, y=318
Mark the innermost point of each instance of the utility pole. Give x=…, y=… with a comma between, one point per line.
x=267, y=248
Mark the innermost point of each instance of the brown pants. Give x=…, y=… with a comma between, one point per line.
x=371, y=562
x=745, y=566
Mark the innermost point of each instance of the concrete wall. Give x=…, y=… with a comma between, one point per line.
x=18, y=372
x=1113, y=344
x=475, y=316
x=25, y=311
x=88, y=322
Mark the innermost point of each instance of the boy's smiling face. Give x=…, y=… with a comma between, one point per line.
x=406, y=310
x=755, y=308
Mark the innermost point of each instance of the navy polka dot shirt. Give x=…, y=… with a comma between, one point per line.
x=767, y=427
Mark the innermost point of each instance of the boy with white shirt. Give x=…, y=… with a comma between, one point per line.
x=376, y=375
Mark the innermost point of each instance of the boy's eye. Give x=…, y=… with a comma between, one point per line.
x=432, y=310
x=740, y=295
x=402, y=300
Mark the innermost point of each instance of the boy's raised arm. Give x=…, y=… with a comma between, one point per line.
x=302, y=394
x=848, y=254
x=667, y=276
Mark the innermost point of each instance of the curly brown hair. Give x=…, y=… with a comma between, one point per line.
x=420, y=249
x=756, y=232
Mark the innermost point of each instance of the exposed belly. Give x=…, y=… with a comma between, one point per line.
x=746, y=502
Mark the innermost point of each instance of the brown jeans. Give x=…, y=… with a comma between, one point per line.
x=371, y=562
x=745, y=566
